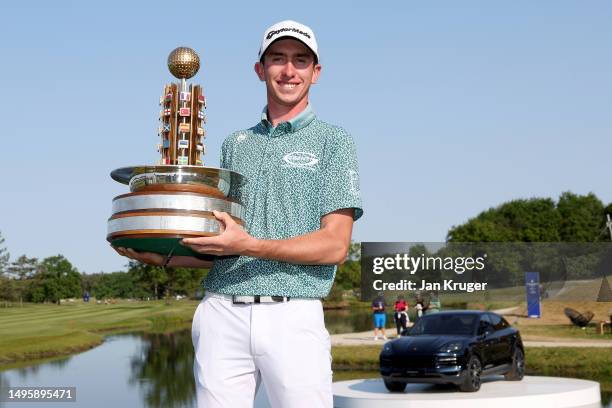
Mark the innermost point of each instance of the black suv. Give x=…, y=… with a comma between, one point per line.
x=454, y=347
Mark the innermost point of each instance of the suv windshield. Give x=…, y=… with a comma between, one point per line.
x=461, y=324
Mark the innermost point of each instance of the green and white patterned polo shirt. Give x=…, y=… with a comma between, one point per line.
x=296, y=173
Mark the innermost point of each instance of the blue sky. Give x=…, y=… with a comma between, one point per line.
x=455, y=106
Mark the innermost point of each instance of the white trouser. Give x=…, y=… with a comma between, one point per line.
x=284, y=344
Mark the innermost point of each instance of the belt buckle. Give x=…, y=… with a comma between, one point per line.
x=244, y=299
x=247, y=300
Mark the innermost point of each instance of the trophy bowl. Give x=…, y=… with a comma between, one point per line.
x=207, y=180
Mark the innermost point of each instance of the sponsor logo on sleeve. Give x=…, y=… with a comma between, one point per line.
x=354, y=180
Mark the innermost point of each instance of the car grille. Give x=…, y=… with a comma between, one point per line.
x=447, y=361
x=409, y=362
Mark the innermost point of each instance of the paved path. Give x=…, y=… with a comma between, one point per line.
x=367, y=338
x=568, y=343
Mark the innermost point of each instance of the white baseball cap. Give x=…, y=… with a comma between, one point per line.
x=289, y=28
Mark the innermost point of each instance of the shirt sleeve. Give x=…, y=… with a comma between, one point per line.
x=224, y=160
x=341, y=176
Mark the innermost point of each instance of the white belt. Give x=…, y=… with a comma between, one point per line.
x=246, y=299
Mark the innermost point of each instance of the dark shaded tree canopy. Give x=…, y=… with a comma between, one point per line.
x=573, y=218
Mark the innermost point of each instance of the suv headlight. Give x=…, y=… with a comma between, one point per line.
x=387, y=348
x=451, y=347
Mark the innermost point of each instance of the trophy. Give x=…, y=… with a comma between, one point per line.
x=175, y=198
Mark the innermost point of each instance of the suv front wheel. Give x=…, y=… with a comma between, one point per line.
x=517, y=372
x=472, y=380
x=395, y=386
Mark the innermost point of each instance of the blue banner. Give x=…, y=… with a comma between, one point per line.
x=532, y=287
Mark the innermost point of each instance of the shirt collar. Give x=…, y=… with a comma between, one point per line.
x=300, y=121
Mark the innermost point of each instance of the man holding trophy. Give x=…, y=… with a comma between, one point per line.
x=262, y=318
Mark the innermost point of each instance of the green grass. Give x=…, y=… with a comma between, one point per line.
x=363, y=358
x=562, y=331
x=586, y=363
x=344, y=375
x=35, y=332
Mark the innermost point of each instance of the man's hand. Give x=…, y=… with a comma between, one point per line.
x=233, y=240
x=148, y=258
x=158, y=259
x=326, y=246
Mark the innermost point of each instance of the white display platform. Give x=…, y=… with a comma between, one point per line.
x=540, y=392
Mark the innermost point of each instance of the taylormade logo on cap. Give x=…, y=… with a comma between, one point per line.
x=289, y=28
x=281, y=30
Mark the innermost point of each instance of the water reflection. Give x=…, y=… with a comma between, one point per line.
x=164, y=370
x=3, y=382
x=28, y=371
x=135, y=370
x=352, y=320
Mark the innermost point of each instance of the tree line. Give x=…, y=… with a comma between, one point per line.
x=54, y=278
x=572, y=218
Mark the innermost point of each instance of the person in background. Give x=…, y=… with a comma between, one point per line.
x=379, y=315
x=419, y=309
x=434, y=304
x=401, y=314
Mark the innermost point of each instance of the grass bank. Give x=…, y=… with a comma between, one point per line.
x=586, y=363
x=38, y=332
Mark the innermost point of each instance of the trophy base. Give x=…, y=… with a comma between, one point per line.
x=158, y=244
x=160, y=230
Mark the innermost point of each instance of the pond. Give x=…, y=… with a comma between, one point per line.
x=135, y=370
x=354, y=320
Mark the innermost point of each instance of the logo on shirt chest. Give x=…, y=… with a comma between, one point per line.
x=303, y=160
